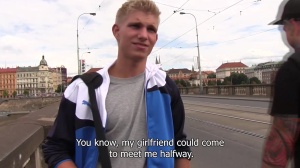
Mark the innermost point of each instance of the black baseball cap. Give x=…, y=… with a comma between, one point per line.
x=291, y=10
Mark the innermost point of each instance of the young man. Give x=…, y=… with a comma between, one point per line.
x=283, y=142
x=136, y=101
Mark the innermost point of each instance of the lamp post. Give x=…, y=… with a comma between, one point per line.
x=78, y=63
x=199, y=65
x=61, y=85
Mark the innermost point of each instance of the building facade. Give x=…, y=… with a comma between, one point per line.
x=62, y=74
x=249, y=72
x=226, y=69
x=27, y=80
x=7, y=82
x=178, y=74
x=269, y=71
x=32, y=81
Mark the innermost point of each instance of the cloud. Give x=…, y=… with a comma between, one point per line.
x=225, y=31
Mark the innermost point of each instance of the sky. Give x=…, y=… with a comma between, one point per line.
x=228, y=31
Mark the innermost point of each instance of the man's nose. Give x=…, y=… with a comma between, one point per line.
x=143, y=33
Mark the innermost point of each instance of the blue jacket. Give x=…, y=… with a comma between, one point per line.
x=164, y=111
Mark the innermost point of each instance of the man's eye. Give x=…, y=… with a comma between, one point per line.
x=152, y=30
x=135, y=26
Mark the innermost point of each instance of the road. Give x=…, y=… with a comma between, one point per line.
x=241, y=124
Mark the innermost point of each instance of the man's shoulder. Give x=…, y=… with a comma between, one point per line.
x=290, y=68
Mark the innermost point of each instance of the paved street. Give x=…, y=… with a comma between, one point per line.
x=241, y=124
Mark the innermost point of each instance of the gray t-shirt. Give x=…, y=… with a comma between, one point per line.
x=126, y=110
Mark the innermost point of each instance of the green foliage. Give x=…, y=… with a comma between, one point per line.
x=60, y=88
x=5, y=93
x=211, y=83
x=14, y=94
x=182, y=83
x=236, y=79
x=219, y=82
x=254, y=80
x=212, y=75
x=26, y=93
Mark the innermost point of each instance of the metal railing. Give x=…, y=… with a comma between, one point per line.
x=263, y=90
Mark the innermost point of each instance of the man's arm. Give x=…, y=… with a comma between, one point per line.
x=182, y=163
x=67, y=164
x=178, y=115
x=59, y=146
x=280, y=143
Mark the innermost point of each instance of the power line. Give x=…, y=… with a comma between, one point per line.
x=176, y=56
x=98, y=8
x=198, y=25
x=254, y=34
x=174, y=12
x=166, y=5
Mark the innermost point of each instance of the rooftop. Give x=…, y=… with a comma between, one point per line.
x=232, y=65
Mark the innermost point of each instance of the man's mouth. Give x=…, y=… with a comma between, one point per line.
x=141, y=45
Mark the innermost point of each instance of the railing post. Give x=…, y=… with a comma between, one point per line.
x=34, y=160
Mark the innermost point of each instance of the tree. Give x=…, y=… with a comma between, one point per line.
x=219, y=82
x=60, y=88
x=184, y=83
x=26, y=93
x=254, y=80
x=242, y=79
x=211, y=83
x=212, y=75
x=5, y=93
x=236, y=79
x=14, y=94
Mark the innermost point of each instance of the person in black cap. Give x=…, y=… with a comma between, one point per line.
x=283, y=141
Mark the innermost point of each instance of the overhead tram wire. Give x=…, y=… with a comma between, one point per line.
x=234, y=14
x=197, y=25
x=98, y=9
x=166, y=5
x=222, y=22
x=174, y=12
x=179, y=55
x=254, y=34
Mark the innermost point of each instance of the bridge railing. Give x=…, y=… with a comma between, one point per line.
x=20, y=140
x=263, y=90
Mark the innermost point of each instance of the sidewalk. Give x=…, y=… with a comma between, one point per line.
x=254, y=98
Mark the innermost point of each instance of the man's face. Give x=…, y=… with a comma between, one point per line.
x=136, y=35
x=292, y=31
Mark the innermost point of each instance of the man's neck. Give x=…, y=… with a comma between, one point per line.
x=126, y=69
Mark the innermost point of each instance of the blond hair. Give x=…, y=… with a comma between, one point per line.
x=147, y=6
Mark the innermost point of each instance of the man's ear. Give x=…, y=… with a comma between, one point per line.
x=115, y=31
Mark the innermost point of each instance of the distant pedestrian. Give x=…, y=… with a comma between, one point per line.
x=283, y=141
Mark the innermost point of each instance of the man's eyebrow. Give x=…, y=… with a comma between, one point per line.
x=140, y=23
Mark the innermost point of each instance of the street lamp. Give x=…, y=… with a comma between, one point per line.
x=78, y=63
x=61, y=85
x=199, y=65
